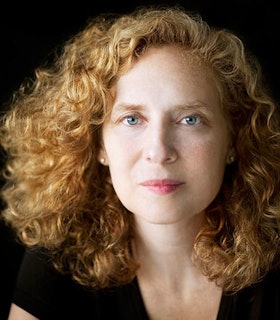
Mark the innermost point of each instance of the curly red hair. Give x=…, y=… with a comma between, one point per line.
x=59, y=197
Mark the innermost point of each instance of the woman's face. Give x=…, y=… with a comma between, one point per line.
x=166, y=140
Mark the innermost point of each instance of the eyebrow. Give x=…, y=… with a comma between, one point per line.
x=128, y=106
x=188, y=106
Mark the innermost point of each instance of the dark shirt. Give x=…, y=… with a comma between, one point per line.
x=47, y=295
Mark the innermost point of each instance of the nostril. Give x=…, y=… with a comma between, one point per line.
x=160, y=153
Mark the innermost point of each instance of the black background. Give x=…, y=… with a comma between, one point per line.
x=29, y=31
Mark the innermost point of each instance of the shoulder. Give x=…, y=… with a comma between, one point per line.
x=46, y=294
x=261, y=300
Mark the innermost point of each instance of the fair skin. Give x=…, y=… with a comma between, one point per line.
x=166, y=143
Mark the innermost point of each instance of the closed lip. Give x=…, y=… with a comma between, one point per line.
x=161, y=186
x=161, y=182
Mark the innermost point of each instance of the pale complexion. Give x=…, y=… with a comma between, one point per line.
x=166, y=143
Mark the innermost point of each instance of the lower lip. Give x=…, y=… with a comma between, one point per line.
x=163, y=189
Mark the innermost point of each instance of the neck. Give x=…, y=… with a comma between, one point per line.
x=170, y=284
x=162, y=247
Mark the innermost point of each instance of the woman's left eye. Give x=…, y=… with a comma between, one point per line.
x=131, y=120
x=191, y=120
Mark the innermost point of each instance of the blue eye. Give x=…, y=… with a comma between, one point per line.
x=190, y=120
x=131, y=120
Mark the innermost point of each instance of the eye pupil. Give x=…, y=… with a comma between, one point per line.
x=191, y=120
x=132, y=120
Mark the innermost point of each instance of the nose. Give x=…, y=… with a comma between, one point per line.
x=160, y=145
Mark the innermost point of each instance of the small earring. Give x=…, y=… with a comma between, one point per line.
x=102, y=160
x=230, y=159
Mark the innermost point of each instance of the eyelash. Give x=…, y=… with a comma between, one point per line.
x=134, y=117
x=198, y=119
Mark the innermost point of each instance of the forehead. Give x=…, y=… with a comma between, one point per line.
x=173, y=59
x=168, y=68
x=170, y=57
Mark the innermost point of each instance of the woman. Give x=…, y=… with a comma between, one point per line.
x=143, y=176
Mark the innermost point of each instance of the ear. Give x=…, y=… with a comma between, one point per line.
x=231, y=156
x=102, y=157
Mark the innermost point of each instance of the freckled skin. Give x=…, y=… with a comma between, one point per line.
x=166, y=123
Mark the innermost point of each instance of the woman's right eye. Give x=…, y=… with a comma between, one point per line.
x=131, y=120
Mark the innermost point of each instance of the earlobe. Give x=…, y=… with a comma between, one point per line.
x=231, y=156
x=103, y=161
x=230, y=159
x=102, y=157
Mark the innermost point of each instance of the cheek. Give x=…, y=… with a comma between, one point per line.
x=121, y=148
x=120, y=157
x=207, y=174
x=209, y=158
